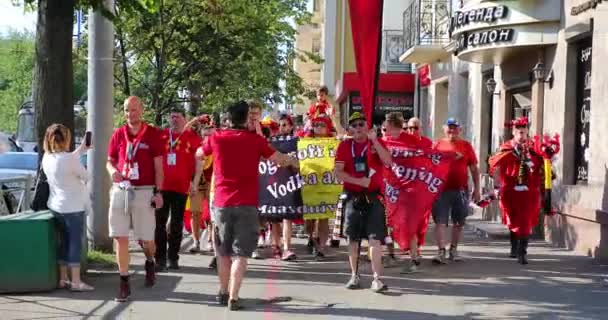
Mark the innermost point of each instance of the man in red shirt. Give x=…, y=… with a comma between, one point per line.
x=179, y=166
x=414, y=128
x=455, y=197
x=359, y=164
x=135, y=165
x=237, y=152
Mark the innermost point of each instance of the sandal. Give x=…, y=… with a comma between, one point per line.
x=81, y=287
x=63, y=284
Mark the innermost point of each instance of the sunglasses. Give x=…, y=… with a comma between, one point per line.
x=283, y=125
x=413, y=128
x=358, y=124
x=319, y=125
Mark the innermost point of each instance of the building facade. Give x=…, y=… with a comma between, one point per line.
x=497, y=60
x=309, y=39
x=339, y=71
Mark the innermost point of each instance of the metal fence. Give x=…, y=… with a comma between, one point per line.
x=426, y=22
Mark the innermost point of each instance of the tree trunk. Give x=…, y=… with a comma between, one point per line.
x=53, y=76
x=195, y=98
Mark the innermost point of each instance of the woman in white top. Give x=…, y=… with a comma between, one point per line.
x=68, y=197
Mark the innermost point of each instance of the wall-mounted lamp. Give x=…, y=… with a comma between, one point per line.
x=540, y=74
x=491, y=87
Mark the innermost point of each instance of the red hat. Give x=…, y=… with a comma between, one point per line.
x=325, y=120
x=521, y=122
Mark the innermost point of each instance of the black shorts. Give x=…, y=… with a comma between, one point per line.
x=364, y=222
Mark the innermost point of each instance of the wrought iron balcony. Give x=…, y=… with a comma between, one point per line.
x=392, y=48
x=426, y=24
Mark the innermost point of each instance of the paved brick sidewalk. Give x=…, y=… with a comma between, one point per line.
x=487, y=285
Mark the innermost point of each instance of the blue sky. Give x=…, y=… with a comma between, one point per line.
x=12, y=17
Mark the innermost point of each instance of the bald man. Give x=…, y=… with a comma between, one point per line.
x=414, y=127
x=135, y=156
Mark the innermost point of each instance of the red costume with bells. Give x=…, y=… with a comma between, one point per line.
x=520, y=171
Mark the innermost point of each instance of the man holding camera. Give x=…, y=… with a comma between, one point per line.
x=359, y=163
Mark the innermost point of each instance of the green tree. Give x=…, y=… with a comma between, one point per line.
x=221, y=50
x=16, y=64
x=53, y=90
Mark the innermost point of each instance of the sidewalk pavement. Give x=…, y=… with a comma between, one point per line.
x=487, y=285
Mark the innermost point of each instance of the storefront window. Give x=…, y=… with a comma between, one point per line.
x=583, y=109
x=521, y=103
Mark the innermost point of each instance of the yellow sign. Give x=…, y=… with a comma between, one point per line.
x=321, y=188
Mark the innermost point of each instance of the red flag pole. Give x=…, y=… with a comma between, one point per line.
x=366, y=26
x=377, y=68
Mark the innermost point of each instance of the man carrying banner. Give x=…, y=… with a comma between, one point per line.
x=321, y=128
x=394, y=123
x=414, y=128
x=520, y=171
x=359, y=164
x=454, y=200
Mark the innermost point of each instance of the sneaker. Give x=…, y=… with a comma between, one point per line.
x=261, y=240
x=222, y=299
x=378, y=286
x=196, y=247
x=235, y=305
x=440, y=257
x=160, y=266
x=213, y=264
x=354, y=282
x=390, y=262
x=256, y=254
x=310, y=246
x=319, y=256
x=454, y=256
x=276, y=252
x=150, y=275
x=124, y=291
x=173, y=265
x=411, y=267
x=289, y=256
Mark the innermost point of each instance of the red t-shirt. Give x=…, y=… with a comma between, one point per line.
x=458, y=178
x=425, y=143
x=236, y=156
x=148, y=148
x=318, y=108
x=344, y=154
x=178, y=176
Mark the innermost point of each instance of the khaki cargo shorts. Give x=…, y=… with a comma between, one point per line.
x=132, y=208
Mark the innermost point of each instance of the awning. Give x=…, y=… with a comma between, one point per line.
x=387, y=82
x=424, y=54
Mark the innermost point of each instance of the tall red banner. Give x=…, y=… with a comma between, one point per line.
x=366, y=26
x=413, y=183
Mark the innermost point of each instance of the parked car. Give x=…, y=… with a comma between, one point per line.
x=15, y=165
x=8, y=143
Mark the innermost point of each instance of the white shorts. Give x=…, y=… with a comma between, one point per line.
x=132, y=208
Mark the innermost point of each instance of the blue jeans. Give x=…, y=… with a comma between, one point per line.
x=71, y=242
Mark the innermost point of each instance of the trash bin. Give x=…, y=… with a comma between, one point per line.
x=28, y=245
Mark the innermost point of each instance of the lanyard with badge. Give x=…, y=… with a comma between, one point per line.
x=171, y=157
x=131, y=169
x=360, y=161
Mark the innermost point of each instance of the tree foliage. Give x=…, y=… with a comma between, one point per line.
x=16, y=64
x=222, y=50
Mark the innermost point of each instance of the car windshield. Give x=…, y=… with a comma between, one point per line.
x=19, y=161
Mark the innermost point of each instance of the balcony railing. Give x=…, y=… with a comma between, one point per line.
x=426, y=22
x=392, y=48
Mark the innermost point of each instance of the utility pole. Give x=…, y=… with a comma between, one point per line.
x=100, y=106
